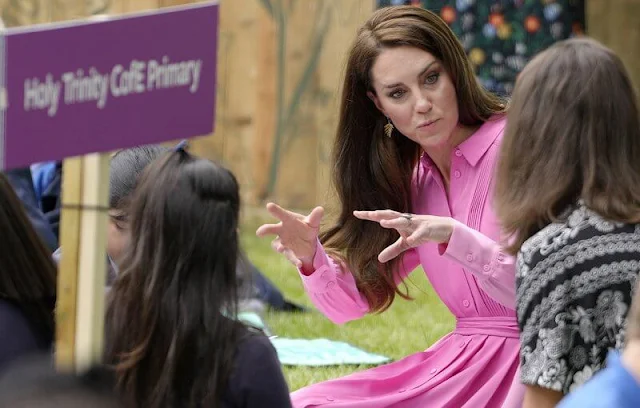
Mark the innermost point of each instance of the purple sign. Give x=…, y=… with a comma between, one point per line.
x=93, y=86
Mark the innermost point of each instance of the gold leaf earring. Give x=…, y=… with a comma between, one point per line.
x=388, y=128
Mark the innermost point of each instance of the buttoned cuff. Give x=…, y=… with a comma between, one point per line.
x=474, y=251
x=323, y=277
x=321, y=280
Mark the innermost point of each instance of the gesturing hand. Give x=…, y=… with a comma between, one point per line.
x=414, y=230
x=296, y=234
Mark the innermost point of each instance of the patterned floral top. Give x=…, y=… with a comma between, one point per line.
x=501, y=36
x=575, y=281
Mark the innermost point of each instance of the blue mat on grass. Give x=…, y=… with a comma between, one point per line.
x=322, y=352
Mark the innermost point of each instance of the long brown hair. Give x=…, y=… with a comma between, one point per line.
x=572, y=133
x=170, y=330
x=27, y=270
x=372, y=171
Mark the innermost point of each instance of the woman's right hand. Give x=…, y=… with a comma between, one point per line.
x=296, y=234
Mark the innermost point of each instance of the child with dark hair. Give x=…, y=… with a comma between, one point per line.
x=170, y=332
x=22, y=183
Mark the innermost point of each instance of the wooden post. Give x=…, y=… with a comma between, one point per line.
x=68, y=267
x=81, y=274
x=92, y=260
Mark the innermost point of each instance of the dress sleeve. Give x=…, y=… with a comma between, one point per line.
x=486, y=259
x=571, y=312
x=332, y=287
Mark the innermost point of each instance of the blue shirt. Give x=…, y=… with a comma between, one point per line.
x=42, y=174
x=614, y=386
x=22, y=183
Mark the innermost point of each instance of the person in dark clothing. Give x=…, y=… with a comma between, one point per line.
x=27, y=282
x=255, y=285
x=171, y=336
x=22, y=183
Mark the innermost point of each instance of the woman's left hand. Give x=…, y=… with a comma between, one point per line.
x=414, y=230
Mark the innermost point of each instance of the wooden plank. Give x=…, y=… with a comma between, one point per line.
x=212, y=146
x=20, y=12
x=68, y=266
x=170, y=3
x=318, y=36
x=237, y=98
x=347, y=17
x=617, y=25
x=292, y=171
x=140, y=5
x=92, y=261
x=68, y=9
x=96, y=7
x=112, y=7
x=265, y=116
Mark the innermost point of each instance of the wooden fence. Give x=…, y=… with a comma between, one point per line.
x=279, y=68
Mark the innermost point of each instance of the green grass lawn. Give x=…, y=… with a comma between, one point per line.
x=407, y=327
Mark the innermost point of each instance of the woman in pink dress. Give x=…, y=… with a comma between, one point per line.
x=414, y=159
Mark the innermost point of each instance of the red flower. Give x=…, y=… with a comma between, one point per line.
x=448, y=14
x=532, y=24
x=496, y=19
